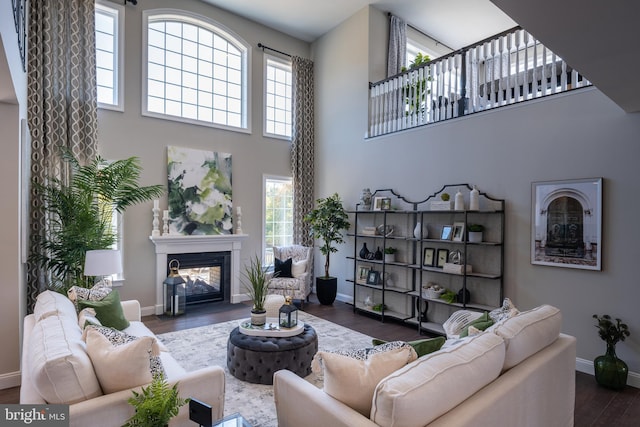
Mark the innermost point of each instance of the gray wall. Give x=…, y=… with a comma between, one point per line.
x=577, y=135
x=13, y=94
x=130, y=134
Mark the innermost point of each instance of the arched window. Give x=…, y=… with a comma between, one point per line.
x=195, y=70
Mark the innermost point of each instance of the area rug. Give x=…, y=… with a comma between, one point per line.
x=207, y=345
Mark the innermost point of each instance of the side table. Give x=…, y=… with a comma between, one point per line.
x=233, y=420
x=254, y=358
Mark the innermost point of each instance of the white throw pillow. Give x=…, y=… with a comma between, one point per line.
x=457, y=321
x=298, y=268
x=351, y=377
x=120, y=367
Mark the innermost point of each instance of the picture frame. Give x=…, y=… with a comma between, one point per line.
x=442, y=257
x=381, y=203
x=373, y=277
x=446, y=232
x=458, y=232
x=566, y=223
x=429, y=257
x=363, y=273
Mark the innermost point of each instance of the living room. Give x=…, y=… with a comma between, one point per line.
x=580, y=134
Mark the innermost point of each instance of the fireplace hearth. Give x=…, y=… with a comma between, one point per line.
x=207, y=275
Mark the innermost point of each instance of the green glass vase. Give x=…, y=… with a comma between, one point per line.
x=611, y=372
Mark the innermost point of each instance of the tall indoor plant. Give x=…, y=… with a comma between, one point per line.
x=610, y=371
x=256, y=284
x=327, y=223
x=80, y=214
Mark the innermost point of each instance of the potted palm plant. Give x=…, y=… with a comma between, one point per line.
x=256, y=284
x=80, y=214
x=327, y=223
x=155, y=405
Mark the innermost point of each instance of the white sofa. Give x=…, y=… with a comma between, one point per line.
x=57, y=369
x=521, y=373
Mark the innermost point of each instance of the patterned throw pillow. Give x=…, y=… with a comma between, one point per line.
x=507, y=311
x=118, y=338
x=96, y=293
x=457, y=321
x=422, y=347
x=352, y=376
x=86, y=317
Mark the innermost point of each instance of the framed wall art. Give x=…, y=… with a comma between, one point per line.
x=373, y=277
x=458, y=231
x=381, y=203
x=447, y=232
x=442, y=257
x=429, y=257
x=566, y=223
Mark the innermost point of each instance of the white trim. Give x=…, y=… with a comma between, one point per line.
x=109, y=7
x=216, y=28
x=9, y=380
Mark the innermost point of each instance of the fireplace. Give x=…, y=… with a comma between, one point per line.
x=166, y=245
x=207, y=275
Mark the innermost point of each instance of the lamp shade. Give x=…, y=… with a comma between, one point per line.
x=102, y=262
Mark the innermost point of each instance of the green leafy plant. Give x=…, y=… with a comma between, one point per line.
x=609, y=331
x=445, y=197
x=448, y=296
x=256, y=282
x=79, y=214
x=475, y=228
x=155, y=405
x=390, y=250
x=327, y=223
x=415, y=91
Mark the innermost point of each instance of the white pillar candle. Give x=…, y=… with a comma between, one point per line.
x=238, y=210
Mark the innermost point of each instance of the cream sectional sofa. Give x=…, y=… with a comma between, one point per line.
x=57, y=369
x=519, y=373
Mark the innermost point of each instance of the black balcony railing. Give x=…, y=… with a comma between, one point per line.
x=507, y=68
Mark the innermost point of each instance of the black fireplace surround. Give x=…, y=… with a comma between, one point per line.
x=207, y=275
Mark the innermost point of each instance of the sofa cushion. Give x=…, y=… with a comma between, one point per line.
x=120, y=367
x=52, y=303
x=351, y=377
x=108, y=310
x=528, y=332
x=422, y=347
x=457, y=321
x=420, y=392
x=58, y=363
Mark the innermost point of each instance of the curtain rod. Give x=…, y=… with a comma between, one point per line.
x=263, y=47
x=438, y=42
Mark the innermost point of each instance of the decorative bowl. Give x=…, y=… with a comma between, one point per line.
x=385, y=230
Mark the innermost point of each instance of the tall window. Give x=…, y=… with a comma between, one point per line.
x=109, y=54
x=278, y=214
x=277, y=98
x=195, y=71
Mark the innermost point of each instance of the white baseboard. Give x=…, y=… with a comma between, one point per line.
x=345, y=298
x=586, y=366
x=12, y=379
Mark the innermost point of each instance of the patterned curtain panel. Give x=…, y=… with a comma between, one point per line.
x=302, y=148
x=397, y=45
x=61, y=103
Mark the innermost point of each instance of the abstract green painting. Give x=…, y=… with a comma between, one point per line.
x=200, y=199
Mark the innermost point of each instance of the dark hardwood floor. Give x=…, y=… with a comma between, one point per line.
x=595, y=406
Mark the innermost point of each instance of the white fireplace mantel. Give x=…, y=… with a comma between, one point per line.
x=181, y=244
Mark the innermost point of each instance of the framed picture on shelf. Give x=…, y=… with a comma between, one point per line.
x=447, y=232
x=429, y=257
x=442, y=257
x=458, y=231
x=373, y=277
x=363, y=273
x=381, y=203
x=566, y=223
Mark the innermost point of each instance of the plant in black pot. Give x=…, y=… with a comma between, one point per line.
x=610, y=371
x=327, y=223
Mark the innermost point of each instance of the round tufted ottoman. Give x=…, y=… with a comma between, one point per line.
x=255, y=359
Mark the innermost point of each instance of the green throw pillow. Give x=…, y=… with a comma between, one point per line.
x=421, y=347
x=482, y=323
x=108, y=311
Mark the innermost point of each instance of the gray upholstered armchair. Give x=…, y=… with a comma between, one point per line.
x=299, y=285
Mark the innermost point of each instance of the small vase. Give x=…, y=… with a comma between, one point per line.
x=611, y=372
x=417, y=232
x=364, y=251
x=378, y=255
x=258, y=318
x=389, y=257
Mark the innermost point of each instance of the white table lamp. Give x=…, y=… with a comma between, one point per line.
x=103, y=263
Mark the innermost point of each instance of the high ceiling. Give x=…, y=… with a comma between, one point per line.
x=455, y=23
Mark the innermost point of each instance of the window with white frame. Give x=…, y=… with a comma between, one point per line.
x=109, y=54
x=278, y=215
x=195, y=70
x=277, y=98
